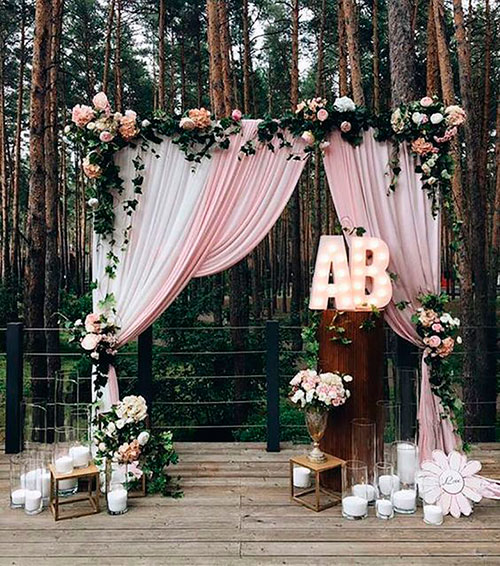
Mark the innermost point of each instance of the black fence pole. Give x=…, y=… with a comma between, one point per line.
x=14, y=387
x=145, y=367
x=273, y=393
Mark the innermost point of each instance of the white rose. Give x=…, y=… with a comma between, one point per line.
x=143, y=438
x=431, y=180
x=297, y=396
x=67, y=129
x=102, y=447
x=120, y=423
x=94, y=355
x=344, y=104
x=91, y=126
x=111, y=428
x=456, y=321
x=347, y=378
x=416, y=118
x=459, y=339
x=89, y=342
x=79, y=322
x=437, y=118
x=93, y=203
x=145, y=123
x=310, y=396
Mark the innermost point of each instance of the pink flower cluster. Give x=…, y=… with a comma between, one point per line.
x=324, y=389
x=98, y=335
x=438, y=332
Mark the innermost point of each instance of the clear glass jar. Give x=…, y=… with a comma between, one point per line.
x=405, y=462
x=388, y=427
x=116, y=490
x=63, y=460
x=34, y=419
x=364, y=449
x=355, y=490
x=17, y=488
x=385, y=483
x=33, y=500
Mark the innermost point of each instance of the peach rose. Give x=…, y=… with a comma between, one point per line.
x=81, y=115
x=89, y=342
x=455, y=115
x=187, y=124
x=91, y=170
x=200, y=117
x=308, y=137
x=128, y=127
x=101, y=102
x=422, y=147
x=92, y=322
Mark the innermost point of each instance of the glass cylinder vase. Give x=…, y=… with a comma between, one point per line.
x=405, y=462
x=17, y=488
x=364, y=449
x=388, y=427
x=116, y=490
x=385, y=483
x=63, y=460
x=33, y=500
x=355, y=490
x=316, y=421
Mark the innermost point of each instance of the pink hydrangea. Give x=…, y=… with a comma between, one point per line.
x=81, y=115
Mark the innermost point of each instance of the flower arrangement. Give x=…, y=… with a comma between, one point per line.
x=324, y=390
x=439, y=333
x=96, y=336
x=121, y=437
x=429, y=127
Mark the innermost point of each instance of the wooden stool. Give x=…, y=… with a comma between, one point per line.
x=91, y=474
x=331, y=463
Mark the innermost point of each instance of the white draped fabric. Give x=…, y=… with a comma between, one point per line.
x=192, y=220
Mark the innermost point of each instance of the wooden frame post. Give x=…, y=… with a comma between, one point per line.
x=272, y=378
x=14, y=387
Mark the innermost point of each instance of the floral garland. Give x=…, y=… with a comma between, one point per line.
x=439, y=333
x=310, y=389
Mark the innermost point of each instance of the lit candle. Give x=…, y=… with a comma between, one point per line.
x=354, y=507
x=407, y=462
x=117, y=500
x=433, y=515
x=384, y=509
x=64, y=465
x=33, y=501
x=301, y=477
x=385, y=484
x=17, y=497
x=80, y=455
x=364, y=490
x=404, y=501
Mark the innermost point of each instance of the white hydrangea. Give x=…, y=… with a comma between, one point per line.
x=344, y=104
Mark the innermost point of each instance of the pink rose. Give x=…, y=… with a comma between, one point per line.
x=81, y=115
x=322, y=114
x=89, y=342
x=437, y=327
x=455, y=115
x=101, y=102
x=92, y=322
x=236, y=115
x=131, y=114
x=106, y=136
x=345, y=127
x=426, y=101
x=434, y=341
x=308, y=137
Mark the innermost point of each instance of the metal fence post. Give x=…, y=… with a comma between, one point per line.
x=145, y=366
x=272, y=378
x=14, y=387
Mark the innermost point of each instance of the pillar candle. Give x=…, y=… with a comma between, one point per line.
x=433, y=515
x=384, y=508
x=407, y=462
x=17, y=497
x=64, y=465
x=117, y=500
x=301, y=477
x=354, y=506
x=80, y=455
x=386, y=484
x=404, y=501
x=33, y=500
x=364, y=490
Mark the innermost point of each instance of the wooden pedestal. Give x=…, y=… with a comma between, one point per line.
x=364, y=360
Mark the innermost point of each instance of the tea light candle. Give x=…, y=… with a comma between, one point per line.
x=17, y=497
x=364, y=490
x=404, y=501
x=385, y=484
x=407, y=462
x=384, y=508
x=80, y=455
x=33, y=500
x=301, y=477
x=354, y=506
x=433, y=515
x=117, y=500
x=64, y=465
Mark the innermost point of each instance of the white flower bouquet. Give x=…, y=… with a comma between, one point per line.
x=323, y=390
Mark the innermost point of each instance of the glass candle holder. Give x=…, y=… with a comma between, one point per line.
x=385, y=484
x=63, y=460
x=17, y=489
x=405, y=461
x=45, y=456
x=34, y=427
x=33, y=501
x=355, y=490
x=388, y=427
x=116, y=490
x=364, y=449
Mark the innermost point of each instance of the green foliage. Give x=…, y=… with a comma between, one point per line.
x=161, y=455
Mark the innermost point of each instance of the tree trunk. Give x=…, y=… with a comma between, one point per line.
x=216, y=84
x=352, y=29
x=225, y=49
x=342, y=48
x=401, y=52
x=4, y=188
x=161, y=56
x=485, y=130
x=376, y=60
x=36, y=222
x=118, y=58
x=432, y=67
x=294, y=68
x=107, y=50
x=246, y=60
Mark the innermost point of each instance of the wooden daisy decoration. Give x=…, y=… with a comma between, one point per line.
x=451, y=482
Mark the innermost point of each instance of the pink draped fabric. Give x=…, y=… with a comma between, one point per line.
x=238, y=201
x=359, y=179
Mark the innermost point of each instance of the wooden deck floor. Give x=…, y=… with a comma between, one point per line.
x=236, y=510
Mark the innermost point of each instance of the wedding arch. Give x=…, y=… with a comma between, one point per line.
x=175, y=198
